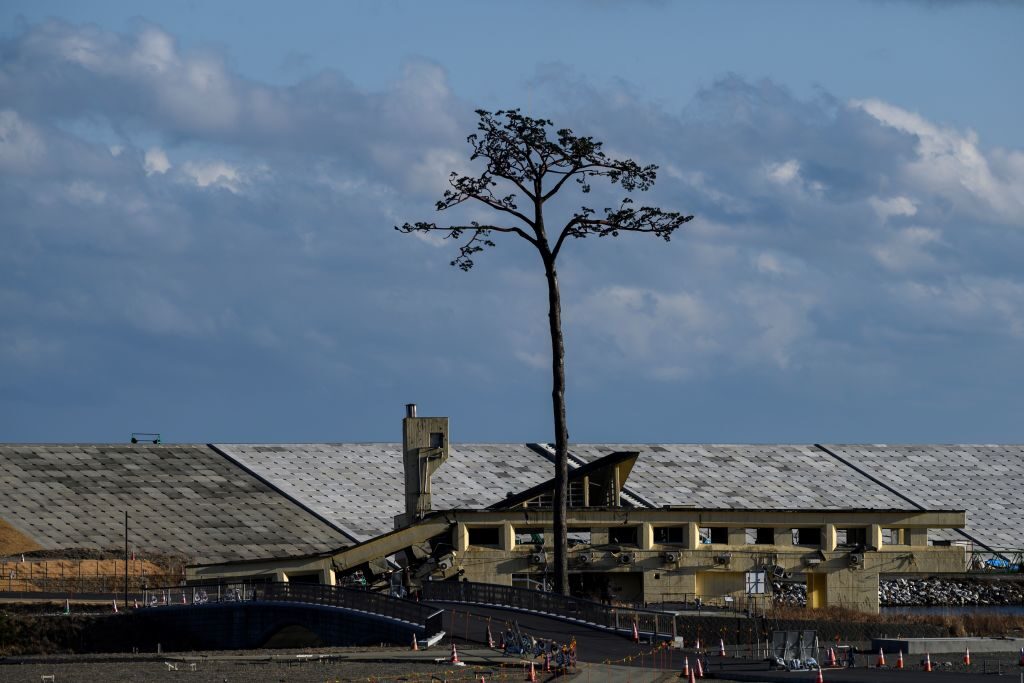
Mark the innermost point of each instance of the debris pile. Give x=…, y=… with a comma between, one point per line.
x=922, y=592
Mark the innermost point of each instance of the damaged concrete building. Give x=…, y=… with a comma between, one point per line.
x=700, y=522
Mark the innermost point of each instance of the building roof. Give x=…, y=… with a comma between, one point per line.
x=359, y=487
x=985, y=480
x=712, y=476
x=181, y=499
x=240, y=501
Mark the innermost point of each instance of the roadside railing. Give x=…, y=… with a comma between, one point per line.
x=658, y=624
x=305, y=593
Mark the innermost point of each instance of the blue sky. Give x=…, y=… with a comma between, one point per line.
x=197, y=201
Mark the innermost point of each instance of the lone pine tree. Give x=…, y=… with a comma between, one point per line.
x=524, y=157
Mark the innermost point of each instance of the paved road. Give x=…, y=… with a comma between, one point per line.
x=468, y=624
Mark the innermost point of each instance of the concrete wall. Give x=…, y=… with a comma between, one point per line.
x=248, y=625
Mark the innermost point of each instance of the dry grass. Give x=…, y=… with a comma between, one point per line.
x=13, y=541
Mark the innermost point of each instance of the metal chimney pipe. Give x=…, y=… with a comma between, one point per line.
x=410, y=410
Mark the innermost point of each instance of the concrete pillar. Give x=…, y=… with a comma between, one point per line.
x=646, y=533
x=828, y=538
x=461, y=540
x=692, y=536
x=737, y=535
x=281, y=577
x=327, y=577
x=783, y=535
x=507, y=537
x=917, y=537
x=875, y=536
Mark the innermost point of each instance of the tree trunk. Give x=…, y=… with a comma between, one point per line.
x=561, y=431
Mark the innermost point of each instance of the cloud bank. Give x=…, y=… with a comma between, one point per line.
x=227, y=245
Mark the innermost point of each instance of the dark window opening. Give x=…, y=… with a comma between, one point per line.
x=437, y=439
x=714, y=534
x=483, y=536
x=808, y=536
x=622, y=535
x=852, y=537
x=670, y=534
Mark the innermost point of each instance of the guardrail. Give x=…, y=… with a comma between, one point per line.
x=658, y=624
x=304, y=593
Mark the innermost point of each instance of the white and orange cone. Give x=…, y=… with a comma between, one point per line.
x=686, y=668
x=636, y=633
x=721, y=647
x=821, y=676
x=927, y=662
x=415, y=643
x=696, y=645
x=881, y=658
x=692, y=678
x=115, y=606
x=454, y=659
x=700, y=668
x=532, y=676
x=490, y=638
x=136, y=603
x=547, y=662
x=832, y=657
x=184, y=600
x=967, y=656
x=899, y=660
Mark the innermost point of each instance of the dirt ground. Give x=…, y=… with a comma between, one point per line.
x=212, y=668
x=13, y=541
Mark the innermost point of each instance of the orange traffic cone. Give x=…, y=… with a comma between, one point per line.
x=547, y=662
x=636, y=633
x=136, y=603
x=415, y=643
x=899, y=660
x=881, y=658
x=454, y=659
x=721, y=647
x=184, y=600
x=821, y=677
x=696, y=645
x=490, y=638
x=692, y=678
x=115, y=606
x=700, y=669
x=967, y=656
x=832, y=657
x=686, y=668
x=927, y=662
x=532, y=676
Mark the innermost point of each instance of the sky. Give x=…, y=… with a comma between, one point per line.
x=198, y=201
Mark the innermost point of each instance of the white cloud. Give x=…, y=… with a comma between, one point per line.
x=977, y=303
x=893, y=206
x=21, y=143
x=906, y=248
x=214, y=173
x=783, y=173
x=951, y=164
x=156, y=161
